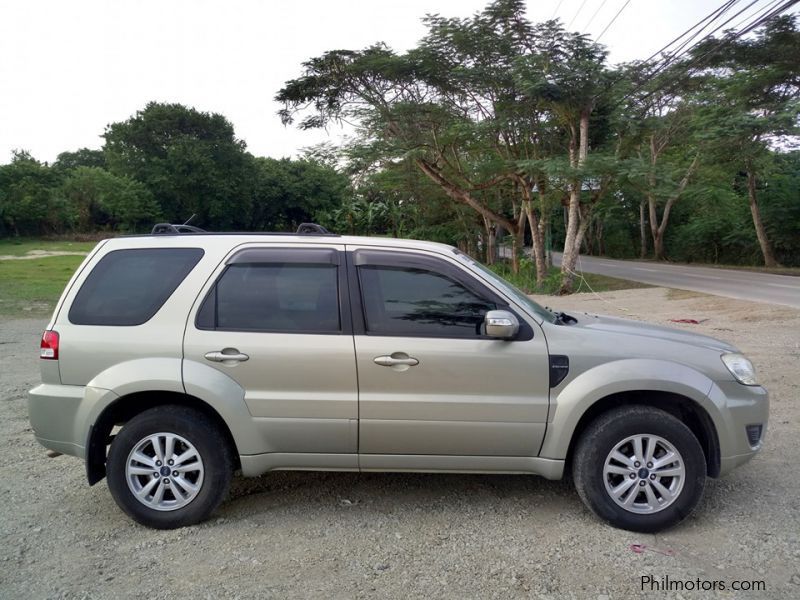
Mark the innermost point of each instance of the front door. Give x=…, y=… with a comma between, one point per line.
x=430, y=381
x=276, y=321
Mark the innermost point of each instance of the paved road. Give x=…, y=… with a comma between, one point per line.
x=745, y=285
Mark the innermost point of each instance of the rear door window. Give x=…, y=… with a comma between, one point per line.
x=128, y=287
x=280, y=291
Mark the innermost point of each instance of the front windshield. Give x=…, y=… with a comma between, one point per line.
x=508, y=288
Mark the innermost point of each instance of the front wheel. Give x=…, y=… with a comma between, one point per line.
x=639, y=468
x=169, y=467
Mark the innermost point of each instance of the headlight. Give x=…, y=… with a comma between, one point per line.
x=741, y=368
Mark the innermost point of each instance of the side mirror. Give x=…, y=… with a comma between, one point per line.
x=501, y=324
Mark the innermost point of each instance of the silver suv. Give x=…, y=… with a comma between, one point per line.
x=173, y=360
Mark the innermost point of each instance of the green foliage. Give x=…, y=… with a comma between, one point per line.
x=457, y=136
x=166, y=163
x=191, y=162
x=289, y=192
x=85, y=157
x=96, y=197
x=28, y=204
x=525, y=280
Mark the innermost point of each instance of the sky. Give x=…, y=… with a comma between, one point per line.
x=69, y=68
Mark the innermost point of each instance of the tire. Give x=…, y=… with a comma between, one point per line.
x=201, y=482
x=598, y=476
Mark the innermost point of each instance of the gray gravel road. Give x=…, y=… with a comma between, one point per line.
x=732, y=283
x=330, y=535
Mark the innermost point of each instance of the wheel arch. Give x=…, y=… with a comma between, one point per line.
x=689, y=412
x=674, y=387
x=125, y=408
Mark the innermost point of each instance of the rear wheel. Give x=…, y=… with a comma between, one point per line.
x=169, y=467
x=639, y=468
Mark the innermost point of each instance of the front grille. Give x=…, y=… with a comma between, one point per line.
x=754, y=434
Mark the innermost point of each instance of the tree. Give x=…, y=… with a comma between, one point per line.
x=749, y=103
x=28, y=205
x=477, y=107
x=289, y=192
x=96, y=197
x=661, y=153
x=190, y=161
x=84, y=157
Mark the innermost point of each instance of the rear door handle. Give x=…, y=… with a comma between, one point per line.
x=227, y=356
x=396, y=359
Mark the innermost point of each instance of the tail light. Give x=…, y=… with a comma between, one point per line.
x=48, y=349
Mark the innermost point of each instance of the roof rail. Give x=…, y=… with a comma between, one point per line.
x=170, y=229
x=173, y=228
x=312, y=228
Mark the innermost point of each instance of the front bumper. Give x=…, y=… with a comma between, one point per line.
x=740, y=406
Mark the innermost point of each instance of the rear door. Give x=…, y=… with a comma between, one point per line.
x=430, y=381
x=276, y=320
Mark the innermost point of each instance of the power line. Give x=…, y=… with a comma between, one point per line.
x=555, y=12
x=755, y=23
x=602, y=4
x=577, y=13
x=666, y=60
x=612, y=20
x=774, y=13
x=755, y=12
x=679, y=52
x=722, y=8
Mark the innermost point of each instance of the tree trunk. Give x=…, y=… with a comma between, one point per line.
x=761, y=233
x=588, y=241
x=464, y=196
x=572, y=242
x=515, y=227
x=545, y=225
x=656, y=228
x=601, y=247
x=642, y=230
x=537, y=243
x=517, y=240
x=491, y=239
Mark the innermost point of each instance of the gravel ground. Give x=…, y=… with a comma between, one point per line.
x=338, y=535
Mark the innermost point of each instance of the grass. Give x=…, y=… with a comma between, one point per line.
x=526, y=280
x=32, y=287
x=21, y=246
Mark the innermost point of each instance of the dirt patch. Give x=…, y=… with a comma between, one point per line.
x=675, y=294
x=331, y=535
x=31, y=254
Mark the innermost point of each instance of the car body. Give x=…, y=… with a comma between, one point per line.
x=321, y=352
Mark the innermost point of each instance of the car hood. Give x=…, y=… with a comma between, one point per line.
x=601, y=323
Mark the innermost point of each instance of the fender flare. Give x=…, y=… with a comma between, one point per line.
x=619, y=376
x=123, y=382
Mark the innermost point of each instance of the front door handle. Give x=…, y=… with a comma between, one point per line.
x=396, y=359
x=226, y=356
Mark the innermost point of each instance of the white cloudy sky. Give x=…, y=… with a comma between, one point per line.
x=68, y=68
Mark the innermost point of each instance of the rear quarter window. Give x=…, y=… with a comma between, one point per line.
x=128, y=287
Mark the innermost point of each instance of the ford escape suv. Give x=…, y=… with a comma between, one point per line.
x=173, y=360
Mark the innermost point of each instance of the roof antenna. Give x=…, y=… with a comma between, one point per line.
x=189, y=220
